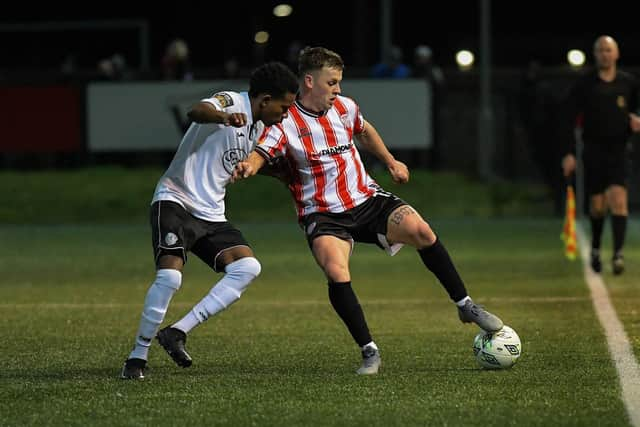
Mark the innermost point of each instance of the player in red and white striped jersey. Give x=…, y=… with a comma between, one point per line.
x=328, y=174
x=337, y=201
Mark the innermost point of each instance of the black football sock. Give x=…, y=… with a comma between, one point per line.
x=345, y=303
x=437, y=259
x=597, y=224
x=619, y=228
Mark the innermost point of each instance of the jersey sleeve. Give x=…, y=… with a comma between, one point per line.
x=358, y=126
x=272, y=142
x=224, y=101
x=353, y=113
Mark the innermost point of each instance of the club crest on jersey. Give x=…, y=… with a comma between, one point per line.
x=345, y=120
x=304, y=132
x=170, y=239
x=231, y=157
x=224, y=99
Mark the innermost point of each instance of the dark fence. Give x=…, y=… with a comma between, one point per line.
x=51, y=112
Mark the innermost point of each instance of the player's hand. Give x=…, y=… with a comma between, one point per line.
x=241, y=171
x=399, y=172
x=568, y=164
x=634, y=122
x=235, y=119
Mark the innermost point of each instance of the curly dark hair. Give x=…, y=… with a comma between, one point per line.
x=273, y=78
x=315, y=58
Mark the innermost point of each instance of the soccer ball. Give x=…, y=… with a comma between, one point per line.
x=497, y=350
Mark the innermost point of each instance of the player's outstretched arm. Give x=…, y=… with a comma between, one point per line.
x=371, y=141
x=204, y=112
x=248, y=167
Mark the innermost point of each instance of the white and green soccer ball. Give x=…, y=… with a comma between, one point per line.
x=497, y=350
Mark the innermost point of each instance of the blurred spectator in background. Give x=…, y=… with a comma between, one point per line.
x=424, y=67
x=606, y=99
x=69, y=66
x=176, y=62
x=259, y=53
x=293, y=52
x=113, y=68
x=231, y=68
x=538, y=111
x=391, y=66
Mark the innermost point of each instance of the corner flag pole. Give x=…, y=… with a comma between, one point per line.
x=569, y=228
x=574, y=200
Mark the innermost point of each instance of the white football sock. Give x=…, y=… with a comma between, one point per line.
x=155, y=307
x=227, y=291
x=371, y=344
x=463, y=301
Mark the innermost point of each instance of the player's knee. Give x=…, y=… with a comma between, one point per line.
x=239, y=274
x=424, y=235
x=336, y=271
x=169, y=278
x=246, y=268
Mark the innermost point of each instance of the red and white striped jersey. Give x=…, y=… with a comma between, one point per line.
x=328, y=174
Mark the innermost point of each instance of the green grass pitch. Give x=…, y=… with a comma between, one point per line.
x=71, y=296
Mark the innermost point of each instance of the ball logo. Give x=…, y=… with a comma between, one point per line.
x=513, y=349
x=490, y=359
x=170, y=239
x=231, y=157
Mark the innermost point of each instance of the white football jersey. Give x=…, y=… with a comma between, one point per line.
x=206, y=157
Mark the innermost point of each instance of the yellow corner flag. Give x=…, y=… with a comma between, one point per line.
x=569, y=229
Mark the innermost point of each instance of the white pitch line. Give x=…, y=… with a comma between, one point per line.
x=617, y=340
x=292, y=303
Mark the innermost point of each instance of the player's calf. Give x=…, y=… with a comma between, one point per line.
x=596, y=263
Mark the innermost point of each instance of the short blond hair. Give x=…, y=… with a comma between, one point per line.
x=316, y=58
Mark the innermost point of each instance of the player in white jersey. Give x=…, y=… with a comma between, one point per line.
x=188, y=215
x=339, y=204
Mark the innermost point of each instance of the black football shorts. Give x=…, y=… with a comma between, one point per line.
x=366, y=223
x=603, y=169
x=176, y=232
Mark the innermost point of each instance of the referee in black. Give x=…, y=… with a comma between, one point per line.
x=605, y=100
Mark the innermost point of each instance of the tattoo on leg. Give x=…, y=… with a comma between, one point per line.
x=400, y=214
